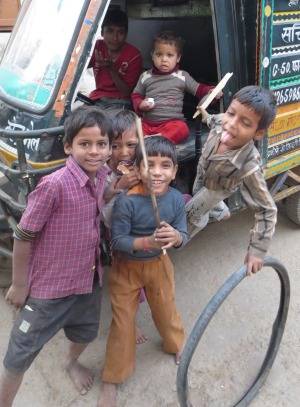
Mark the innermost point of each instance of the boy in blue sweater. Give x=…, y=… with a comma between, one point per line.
x=139, y=263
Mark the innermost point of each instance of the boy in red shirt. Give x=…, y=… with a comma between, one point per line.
x=116, y=64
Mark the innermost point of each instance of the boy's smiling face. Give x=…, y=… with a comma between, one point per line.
x=162, y=170
x=239, y=126
x=123, y=149
x=90, y=149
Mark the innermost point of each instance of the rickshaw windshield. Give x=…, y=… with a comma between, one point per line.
x=36, y=51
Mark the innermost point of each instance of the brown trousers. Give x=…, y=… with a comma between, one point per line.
x=126, y=279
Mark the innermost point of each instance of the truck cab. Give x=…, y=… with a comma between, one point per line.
x=43, y=74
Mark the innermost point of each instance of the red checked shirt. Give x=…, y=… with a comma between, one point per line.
x=65, y=210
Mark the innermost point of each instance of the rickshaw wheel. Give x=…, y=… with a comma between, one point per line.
x=6, y=241
x=209, y=312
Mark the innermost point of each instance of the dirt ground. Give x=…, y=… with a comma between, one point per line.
x=231, y=350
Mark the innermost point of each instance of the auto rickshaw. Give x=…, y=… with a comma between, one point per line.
x=46, y=58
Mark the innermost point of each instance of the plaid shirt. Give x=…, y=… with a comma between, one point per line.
x=235, y=169
x=65, y=210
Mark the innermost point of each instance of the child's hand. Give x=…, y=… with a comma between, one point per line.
x=127, y=180
x=100, y=62
x=220, y=94
x=254, y=264
x=111, y=190
x=167, y=236
x=203, y=113
x=147, y=104
x=17, y=295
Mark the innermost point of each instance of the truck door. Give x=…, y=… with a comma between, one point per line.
x=235, y=32
x=259, y=42
x=279, y=70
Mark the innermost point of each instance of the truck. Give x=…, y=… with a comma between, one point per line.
x=44, y=67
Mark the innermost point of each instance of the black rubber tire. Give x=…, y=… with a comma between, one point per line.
x=209, y=312
x=293, y=207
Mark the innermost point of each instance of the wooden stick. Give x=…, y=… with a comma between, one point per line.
x=214, y=93
x=149, y=180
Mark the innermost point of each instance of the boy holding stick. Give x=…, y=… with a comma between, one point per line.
x=139, y=261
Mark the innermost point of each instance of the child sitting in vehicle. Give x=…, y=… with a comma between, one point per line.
x=116, y=64
x=158, y=95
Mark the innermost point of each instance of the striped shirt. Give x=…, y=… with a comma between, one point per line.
x=168, y=91
x=64, y=212
x=241, y=169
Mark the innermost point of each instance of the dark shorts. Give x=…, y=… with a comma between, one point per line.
x=39, y=320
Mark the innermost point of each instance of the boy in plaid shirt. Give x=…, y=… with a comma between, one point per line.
x=57, y=274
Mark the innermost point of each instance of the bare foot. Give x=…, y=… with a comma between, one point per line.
x=81, y=377
x=108, y=397
x=140, y=337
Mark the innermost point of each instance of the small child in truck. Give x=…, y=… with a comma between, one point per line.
x=158, y=95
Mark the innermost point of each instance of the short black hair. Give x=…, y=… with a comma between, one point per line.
x=168, y=37
x=86, y=116
x=122, y=120
x=117, y=17
x=262, y=101
x=155, y=146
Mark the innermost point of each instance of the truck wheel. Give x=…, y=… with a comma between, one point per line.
x=6, y=241
x=293, y=207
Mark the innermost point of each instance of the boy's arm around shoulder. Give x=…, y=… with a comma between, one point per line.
x=256, y=194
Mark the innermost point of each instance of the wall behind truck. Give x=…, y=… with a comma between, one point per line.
x=192, y=21
x=8, y=12
x=4, y=37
